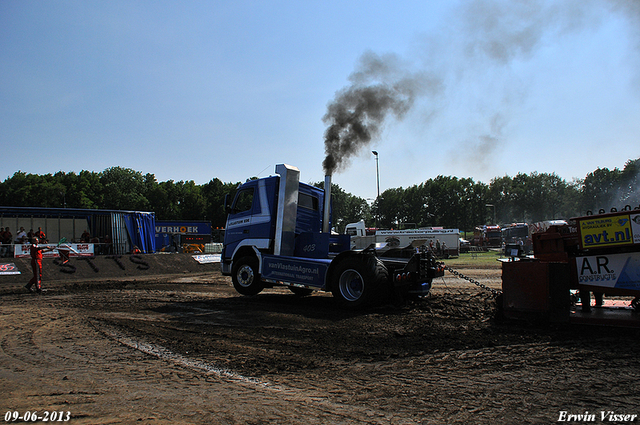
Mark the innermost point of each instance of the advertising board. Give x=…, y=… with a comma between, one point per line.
x=403, y=238
x=609, y=230
x=183, y=227
x=311, y=273
x=8, y=268
x=74, y=249
x=178, y=233
x=620, y=271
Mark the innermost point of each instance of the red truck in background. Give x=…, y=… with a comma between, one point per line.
x=488, y=236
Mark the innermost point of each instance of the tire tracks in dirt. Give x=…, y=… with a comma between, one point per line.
x=59, y=359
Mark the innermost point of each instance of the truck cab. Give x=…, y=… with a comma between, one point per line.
x=252, y=221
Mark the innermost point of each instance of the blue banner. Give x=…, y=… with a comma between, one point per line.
x=183, y=227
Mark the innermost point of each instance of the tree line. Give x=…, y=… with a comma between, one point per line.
x=446, y=201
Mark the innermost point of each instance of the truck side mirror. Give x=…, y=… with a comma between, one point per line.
x=227, y=204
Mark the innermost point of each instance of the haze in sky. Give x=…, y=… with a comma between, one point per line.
x=196, y=90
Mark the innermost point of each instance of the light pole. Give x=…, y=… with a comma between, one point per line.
x=494, y=212
x=377, y=183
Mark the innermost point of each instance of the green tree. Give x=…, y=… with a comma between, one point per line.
x=32, y=190
x=387, y=209
x=214, y=193
x=124, y=189
x=629, y=187
x=82, y=190
x=444, y=201
x=500, y=195
x=191, y=203
x=413, y=209
x=599, y=189
x=160, y=200
x=532, y=197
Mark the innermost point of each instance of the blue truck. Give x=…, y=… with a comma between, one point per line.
x=278, y=234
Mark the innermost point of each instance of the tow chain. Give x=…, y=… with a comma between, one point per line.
x=495, y=292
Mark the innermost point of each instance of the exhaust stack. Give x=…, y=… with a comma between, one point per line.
x=327, y=204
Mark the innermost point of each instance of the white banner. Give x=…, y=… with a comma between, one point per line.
x=610, y=271
x=207, y=258
x=74, y=249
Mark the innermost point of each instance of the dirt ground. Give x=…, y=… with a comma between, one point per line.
x=176, y=344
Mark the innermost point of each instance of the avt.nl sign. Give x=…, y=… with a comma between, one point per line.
x=616, y=230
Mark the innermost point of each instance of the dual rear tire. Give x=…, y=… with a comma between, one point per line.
x=359, y=281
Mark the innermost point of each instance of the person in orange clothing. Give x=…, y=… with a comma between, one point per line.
x=36, y=264
x=41, y=236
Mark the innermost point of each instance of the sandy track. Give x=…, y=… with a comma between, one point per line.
x=191, y=350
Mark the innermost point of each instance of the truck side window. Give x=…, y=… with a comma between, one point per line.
x=307, y=201
x=244, y=201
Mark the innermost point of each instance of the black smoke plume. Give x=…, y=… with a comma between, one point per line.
x=491, y=35
x=380, y=87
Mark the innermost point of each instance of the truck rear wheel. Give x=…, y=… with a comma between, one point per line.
x=360, y=280
x=245, y=276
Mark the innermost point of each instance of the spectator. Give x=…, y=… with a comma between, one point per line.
x=107, y=244
x=85, y=237
x=96, y=244
x=2, y=248
x=41, y=236
x=21, y=237
x=7, y=240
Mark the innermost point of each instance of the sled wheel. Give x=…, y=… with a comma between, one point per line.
x=245, y=276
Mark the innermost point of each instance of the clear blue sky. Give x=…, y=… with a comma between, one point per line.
x=193, y=90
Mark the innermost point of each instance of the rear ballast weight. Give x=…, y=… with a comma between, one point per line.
x=276, y=236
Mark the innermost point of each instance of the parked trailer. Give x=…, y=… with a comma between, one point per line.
x=443, y=242
x=277, y=234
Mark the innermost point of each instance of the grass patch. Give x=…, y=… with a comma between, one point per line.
x=484, y=258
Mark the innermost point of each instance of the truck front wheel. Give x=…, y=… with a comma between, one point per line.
x=360, y=280
x=245, y=276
